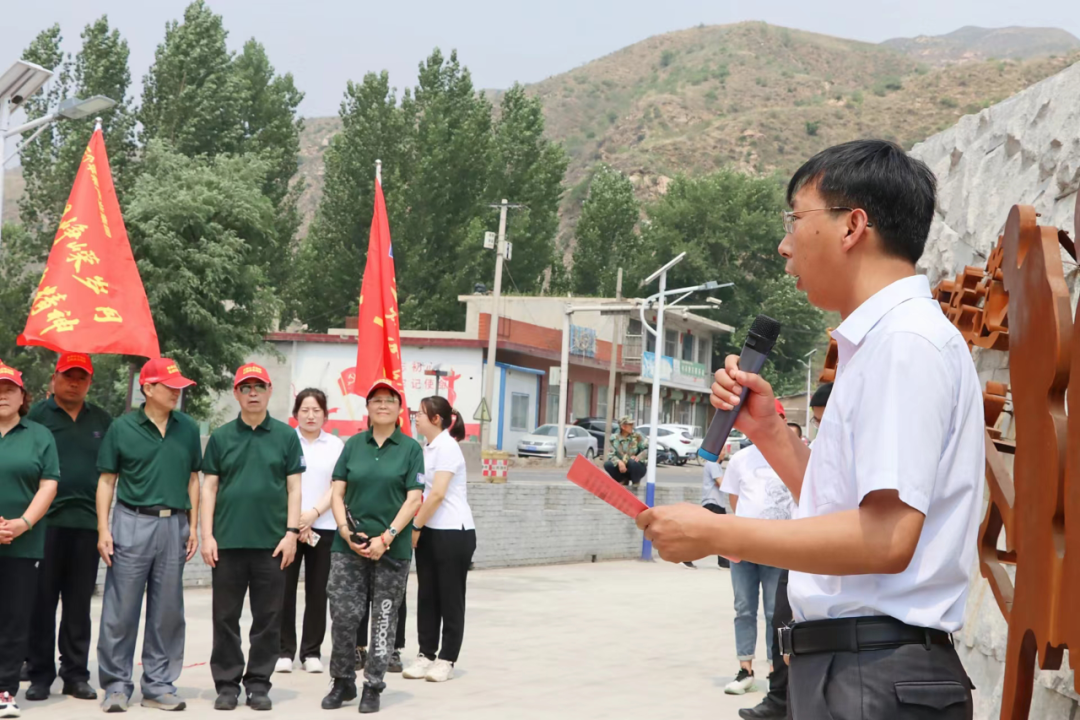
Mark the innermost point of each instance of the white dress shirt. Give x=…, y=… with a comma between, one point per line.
x=762, y=494
x=320, y=457
x=443, y=455
x=905, y=414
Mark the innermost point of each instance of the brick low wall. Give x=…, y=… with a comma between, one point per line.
x=534, y=523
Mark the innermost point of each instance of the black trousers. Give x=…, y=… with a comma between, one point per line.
x=781, y=617
x=718, y=510
x=316, y=572
x=909, y=682
x=399, y=637
x=238, y=571
x=634, y=471
x=68, y=572
x=442, y=567
x=16, y=608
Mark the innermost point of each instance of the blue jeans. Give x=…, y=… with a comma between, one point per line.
x=746, y=578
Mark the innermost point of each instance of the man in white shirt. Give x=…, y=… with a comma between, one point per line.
x=882, y=546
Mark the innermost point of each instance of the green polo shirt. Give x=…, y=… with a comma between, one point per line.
x=252, y=465
x=377, y=481
x=153, y=469
x=27, y=456
x=78, y=442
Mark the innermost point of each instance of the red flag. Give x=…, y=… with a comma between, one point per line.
x=91, y=298
x=378, y=353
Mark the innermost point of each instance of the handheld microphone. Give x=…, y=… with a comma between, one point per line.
x=759, y=343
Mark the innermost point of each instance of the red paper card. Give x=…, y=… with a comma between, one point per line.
x=586, y=475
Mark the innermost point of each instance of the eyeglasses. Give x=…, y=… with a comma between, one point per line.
x=383, y=400
x=790, y=216
x=257, y=388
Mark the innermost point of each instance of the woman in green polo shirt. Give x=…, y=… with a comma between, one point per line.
x=29, y=473
x=377, y=489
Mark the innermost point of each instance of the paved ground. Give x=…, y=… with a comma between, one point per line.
x=689, y=474
x=608, y=640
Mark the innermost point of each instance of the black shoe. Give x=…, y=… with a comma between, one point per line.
x=724, y=563
x=227, y=699
x=37, y=692
x=361, y=658
x=80, y=690
x=767, y=709
x=342, y=692
x=369, y=701
x=689, y=566
x=259, y=701
x=24, y=672
x=395, y=666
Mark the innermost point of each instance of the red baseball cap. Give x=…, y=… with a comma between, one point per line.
x=780, y=409
x=251, y=371
x=10, y=374
x=164, y=371
x=72, y=361
x=383, y=383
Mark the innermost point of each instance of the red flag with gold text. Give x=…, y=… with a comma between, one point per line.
x=378, y=353
x=91, y=298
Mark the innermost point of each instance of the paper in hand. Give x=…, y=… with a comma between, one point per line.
x=589, y=477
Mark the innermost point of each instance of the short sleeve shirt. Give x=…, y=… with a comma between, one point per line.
x=378, y=480
x=27, y=456
x=153, y=469
x=444, y=455
x=710, y=491
x=78, y=442
x=253, y=465
x=320, y=457
x=762, y=494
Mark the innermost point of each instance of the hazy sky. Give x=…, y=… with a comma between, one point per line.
x=324, y=43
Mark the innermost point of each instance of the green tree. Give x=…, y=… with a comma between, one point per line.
x=196, y=225
x=605, y=233
x=728, y=224
x=19, y=276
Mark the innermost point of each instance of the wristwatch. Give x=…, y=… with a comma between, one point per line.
x=292, y=530
x=392, y=530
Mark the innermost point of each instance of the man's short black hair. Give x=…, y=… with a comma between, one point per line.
x=820, y=397
x=896, y=190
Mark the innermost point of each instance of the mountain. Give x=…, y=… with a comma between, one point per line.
x=975, y=43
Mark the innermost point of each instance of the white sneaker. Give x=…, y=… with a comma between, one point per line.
x=418, y=668
x=284, y=665
x=742, y=683
x=313, y=665
x=8, y=708
x=440, y=671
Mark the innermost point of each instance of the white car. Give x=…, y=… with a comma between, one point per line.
x=678, y=438
x=541, y=442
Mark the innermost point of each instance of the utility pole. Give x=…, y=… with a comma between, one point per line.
x=493, y=329
x=616, y=334
x=809, y=362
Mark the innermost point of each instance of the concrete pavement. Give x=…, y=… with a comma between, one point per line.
x=605, y=640
x=689, y=474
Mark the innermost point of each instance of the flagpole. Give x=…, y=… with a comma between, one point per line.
x=378, y=171
x=97, y=124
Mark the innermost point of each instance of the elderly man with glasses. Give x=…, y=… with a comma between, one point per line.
x=250, y=525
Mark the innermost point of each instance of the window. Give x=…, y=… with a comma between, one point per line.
x=671, y=343
x=519, y=411
x=601, y=401
x=705, y=351
x=650, y=342
x=688, y=347
x=551, y=412
x=582, y=399
x=576, y=432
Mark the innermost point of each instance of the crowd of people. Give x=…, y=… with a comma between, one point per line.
x=272, y=497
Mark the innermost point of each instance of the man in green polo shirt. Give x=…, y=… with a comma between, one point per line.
x=151, y=456
x=69, y=569
x=250, y=524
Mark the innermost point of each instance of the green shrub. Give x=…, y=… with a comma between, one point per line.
x=948, y=102
x=666, y=57
x=812, y=128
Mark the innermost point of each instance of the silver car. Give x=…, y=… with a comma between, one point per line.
x=541, y=442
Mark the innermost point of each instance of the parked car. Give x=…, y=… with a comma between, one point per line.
x=541, y=442
x=595, y=427
x=675, y=438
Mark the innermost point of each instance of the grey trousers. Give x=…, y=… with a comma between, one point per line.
x=148, y=558
x=909, y=682
x=353, y=581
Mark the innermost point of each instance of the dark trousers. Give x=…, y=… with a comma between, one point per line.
x=442, y=566
x=909, y=682
x=16, y=607
x=714, y=508
x=781, y=617
x=238, y=571
x=316, y=572
x=634, y=471
x=68, y=572
x=399, y=635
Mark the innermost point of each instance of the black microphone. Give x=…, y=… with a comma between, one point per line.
x=759, y=343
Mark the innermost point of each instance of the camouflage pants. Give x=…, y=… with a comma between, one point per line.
x=354, y=581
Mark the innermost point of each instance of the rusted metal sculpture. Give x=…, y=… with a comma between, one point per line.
x=1020, y=304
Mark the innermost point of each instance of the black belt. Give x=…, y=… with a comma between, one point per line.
x=158, y=511
x=855, y=635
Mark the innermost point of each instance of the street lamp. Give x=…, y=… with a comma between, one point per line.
x=19, y=82
x=808, y=362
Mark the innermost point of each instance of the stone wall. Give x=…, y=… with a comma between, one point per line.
x=1025, y=150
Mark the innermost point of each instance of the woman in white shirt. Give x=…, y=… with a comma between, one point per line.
x=317, y=529
x=444, y=536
